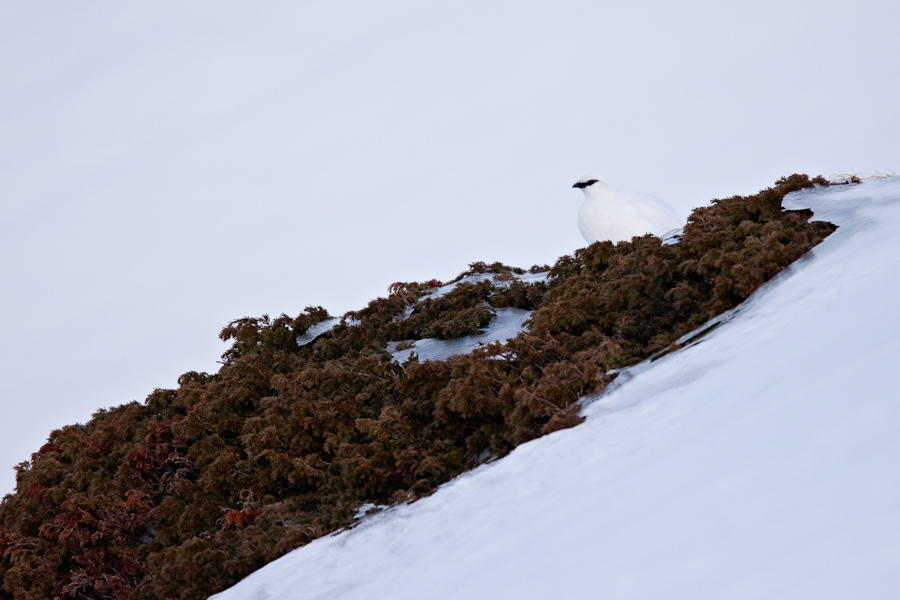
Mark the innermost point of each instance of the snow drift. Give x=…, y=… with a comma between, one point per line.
x=760, y=462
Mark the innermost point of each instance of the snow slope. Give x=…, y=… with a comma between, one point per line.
x=761, y=462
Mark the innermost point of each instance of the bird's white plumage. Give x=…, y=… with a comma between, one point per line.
x=611, y=214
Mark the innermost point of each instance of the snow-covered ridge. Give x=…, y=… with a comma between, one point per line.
x=757, y=463
x=506, y=324
x=496, y=279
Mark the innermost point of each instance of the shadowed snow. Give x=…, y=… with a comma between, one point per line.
x=507, y=324
x=316, y=330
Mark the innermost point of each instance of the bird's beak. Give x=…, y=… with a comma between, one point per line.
x=580, y=185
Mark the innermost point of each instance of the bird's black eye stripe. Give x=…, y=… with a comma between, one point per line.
x=584, y=184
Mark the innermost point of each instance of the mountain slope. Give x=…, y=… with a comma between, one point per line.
x=310, y=418
x=760, y=462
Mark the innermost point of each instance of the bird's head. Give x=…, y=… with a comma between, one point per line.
x=587, y=181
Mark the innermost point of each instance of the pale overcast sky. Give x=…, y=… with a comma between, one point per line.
x=167, y=167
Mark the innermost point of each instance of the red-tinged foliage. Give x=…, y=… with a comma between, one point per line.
x=49, y=448
x=36, y=491
x=236, y=519
x=182, y=496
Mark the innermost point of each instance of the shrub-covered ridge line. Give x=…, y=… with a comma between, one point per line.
x=185, y=494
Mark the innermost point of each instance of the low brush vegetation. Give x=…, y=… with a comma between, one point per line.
x=185, y=494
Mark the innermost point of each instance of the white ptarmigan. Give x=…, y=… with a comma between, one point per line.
x=617, y=216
